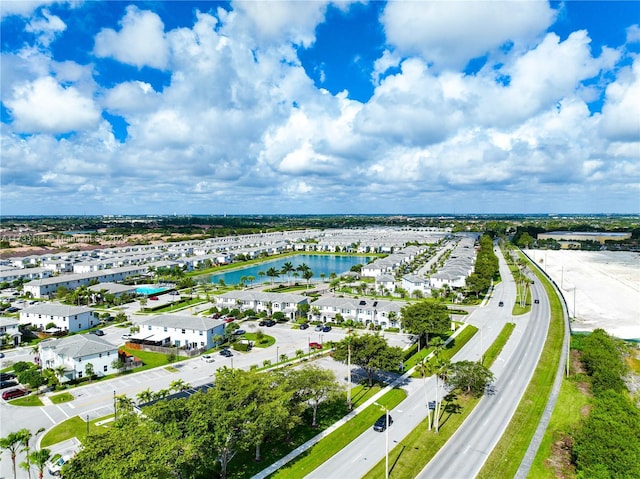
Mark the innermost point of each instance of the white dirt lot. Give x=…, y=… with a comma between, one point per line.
x=606, y=285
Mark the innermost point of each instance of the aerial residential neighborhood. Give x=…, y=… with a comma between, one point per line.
x=319, y=239
x=103, y=340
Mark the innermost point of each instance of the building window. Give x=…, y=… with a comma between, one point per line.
x=184, y=331
x=201, y=333
x=165, y=329
x=79, y=374
x=104, y=368
x=99, y=355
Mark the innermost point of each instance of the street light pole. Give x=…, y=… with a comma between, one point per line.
x=115, y=409
x=87, y=426
x=386, y=439
x=277, y=355
x=349, y=405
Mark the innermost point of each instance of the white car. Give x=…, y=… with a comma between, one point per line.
x=54, y=467
x=126, y=337
x=207, y=358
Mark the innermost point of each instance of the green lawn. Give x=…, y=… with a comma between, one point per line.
x=565, y=416
x=60, y=398
x=30, y=400
x=508, y=453
x=265, y=342
x=72, y=427
x=151, y=359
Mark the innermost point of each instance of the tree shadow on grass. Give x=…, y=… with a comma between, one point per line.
x=450, y=408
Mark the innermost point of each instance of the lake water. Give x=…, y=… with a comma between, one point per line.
x=318, y=263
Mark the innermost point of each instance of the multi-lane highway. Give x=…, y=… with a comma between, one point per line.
x=466, y=452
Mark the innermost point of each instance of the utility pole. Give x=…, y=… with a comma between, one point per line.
x=349, y=405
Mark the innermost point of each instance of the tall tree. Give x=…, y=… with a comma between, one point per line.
x=39, y=459
x=287, y=268
x=272, y=273
x=12, y=443
x=470, y=377
x=313, y=385
x=425, y=318
x=371, y=352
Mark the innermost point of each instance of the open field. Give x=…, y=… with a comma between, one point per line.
x=606, y=285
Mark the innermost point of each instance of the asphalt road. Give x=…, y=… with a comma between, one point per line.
x=466, y=452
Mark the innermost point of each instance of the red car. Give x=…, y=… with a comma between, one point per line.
x=14, y=393
x=228, y=320
x=153, y=298
x=315, y=345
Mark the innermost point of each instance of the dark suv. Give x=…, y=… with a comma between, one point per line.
x=381, y=423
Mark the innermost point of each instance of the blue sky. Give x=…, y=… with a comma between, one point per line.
x=313, y=107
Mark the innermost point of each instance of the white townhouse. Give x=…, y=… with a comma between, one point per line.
x=411, y=283
x=385, y=314
x=258, y=301
x=27, y=274
x=454, y=280
x=67, y=318
x=43, y=288
x=182, y=331
x=10, y=331
x=385, y=282
x=73, y=353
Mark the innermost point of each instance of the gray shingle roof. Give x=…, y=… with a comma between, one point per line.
x=79, y=346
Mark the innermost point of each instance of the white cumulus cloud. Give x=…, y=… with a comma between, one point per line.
x=140, y=41
x=45, y=106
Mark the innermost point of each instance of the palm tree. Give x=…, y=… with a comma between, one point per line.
x=26, y=436
x=12, y=444
x=261, y=274
x=287, y=269
x=272, y=273
x=179, y=385
x=251, y=279
x=144, y=396
x=423, y=368
x=39, y=459
x=307, y=274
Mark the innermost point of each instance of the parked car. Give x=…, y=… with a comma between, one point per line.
x=536, y=301
x=304, y=326
x=381, y=423
x=1, y=355
x=262, y=323
x=319, y=327
x=269, y=322
x=501, y=303
x=126, y=337
x=226, y=353
x=7, y=376
x=207, y=358
x=314, y=345
x=56, y=466
x=14, y=393
x=98, y=332
x=229, y=319
x=8, y=383
x=153, y=298
x=239, y=332
x=326, y=329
